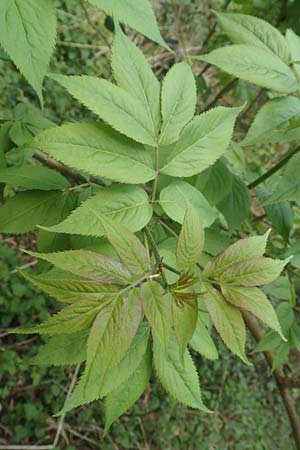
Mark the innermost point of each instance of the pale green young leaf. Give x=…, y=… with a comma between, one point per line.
x=114, y=105
x=185, y=321
x=157, y=307
x=178, y=102
x=254, y=64
x=63, y=350
x=235, y=207
x=91, y=265
x=250, y=30
x=254, y=272
x=76, y=317
x=180, y=195
x=71, y=289
x=215, y=183
x=27, y=34
x=253, y=300
x=277, y=121
x=34, y=177
x=190, y=242
x=98, y=150
x=201, y=143
x=179, y=379
x=202, y=341
x=124, y=204
x=124, y=396
x=133, y=74
x=227, y=320
x=288, y=186
x=128, y=247
x=243, y=249
x=25, y=210
x=138, y=15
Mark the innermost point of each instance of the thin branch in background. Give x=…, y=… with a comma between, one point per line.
x=279, y=378
x=274, y=169
x=156, y=254
x=220, y=94
x=90, y=22
x=213, y=29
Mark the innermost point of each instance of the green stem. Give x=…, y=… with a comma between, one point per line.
x=156, y=254
x=170, y=268
x=274, y=169
x=155, y=183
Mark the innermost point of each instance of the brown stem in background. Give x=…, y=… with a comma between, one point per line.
x=220, y=94
x=279, y=376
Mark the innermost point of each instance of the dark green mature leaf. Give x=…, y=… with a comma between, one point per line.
x=185, y=321
x=202, y=342
x=91, y=265
x=124, y=396
x=201, y=143
x=190, y=242
x=243, y=249
x=179, y=379
x=178, y=102
x=27, y=34
x=157, y=308
x=63, y=350
x=124, y=204
x=180, y=195
x=133, y=73
x=34, y=177
x=254, y=272
x=235, y=207
x=215, y=183
x=115, y=106
x=245, y=29
x=254, y=64
x=288, y=186
x=253, y=300
x=138, y=15
x=77, y=317
x=70, y=289
x=277, y=121
x=281, y=355
x=98, y=150
x=25, y=210
x=282, y=218
x=227, y=320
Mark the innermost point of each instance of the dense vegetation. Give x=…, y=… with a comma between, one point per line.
x=150, y=212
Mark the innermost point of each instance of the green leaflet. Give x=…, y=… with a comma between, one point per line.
x=254, y=272
x=124, y=396
x=98, y=150
x=27, y=34
x=215, y=183
x=116, y=376
x=63, y=350
x=235, y=207
x=124, y=204
x=254, y=64
x=180, y=380
x=157, y=308
x=185, y=321
x=277, y=121
x=254, y=301
x=91, y=265
x=70, y=290
x=201, y=143
x=34, y=177
x=252, y=247
x=114, y=105
x=228, y=322
x=133, y=74
x=25, y=210
x=293, y=42
x=178, y=102
x=249, y=30
x=128, y=247
x=288, y=186
x=281, y=355
x=191, y=240
x=202, y=342
x=77, y=317
x=138, y=15
x=180, y=195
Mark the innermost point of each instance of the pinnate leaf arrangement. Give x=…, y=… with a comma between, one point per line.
x=134, y=304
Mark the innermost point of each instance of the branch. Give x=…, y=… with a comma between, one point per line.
x=279, y=378
x=274, y=169
x=156, y=254
x=220, y=94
